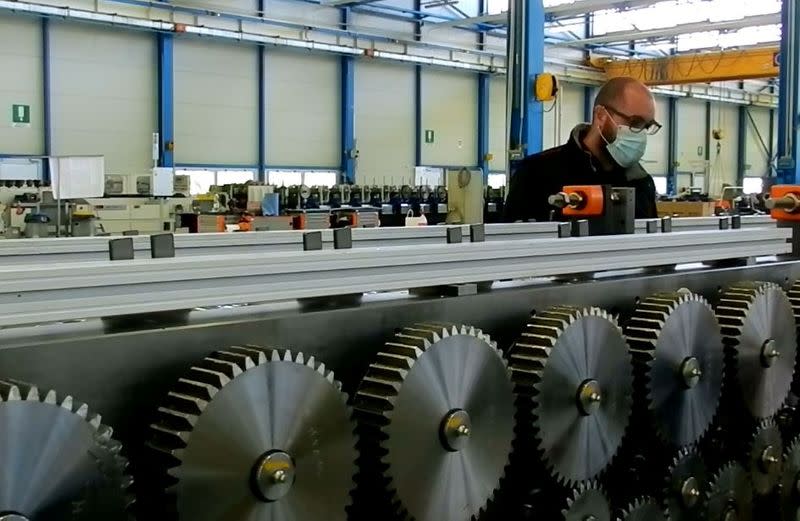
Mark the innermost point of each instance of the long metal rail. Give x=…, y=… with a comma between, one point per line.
x=82, y=249
x=46, y=293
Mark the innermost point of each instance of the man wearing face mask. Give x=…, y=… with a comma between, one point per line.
x=605, y=152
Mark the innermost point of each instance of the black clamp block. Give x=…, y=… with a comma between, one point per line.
x=162, y=246
x=454, y=235
x=724, y=223
x=736, y=222
x=580, y=228
x=666, y=224
x=120, y=249
x=477, y=233
x=652, y=226
x=312, y=241
x=342, y=238
x=564, y=230
x=130, y=233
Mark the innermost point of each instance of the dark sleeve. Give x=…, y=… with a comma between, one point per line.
x=646, y=199
x=528, y=192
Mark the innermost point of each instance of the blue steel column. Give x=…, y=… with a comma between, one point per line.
x=46, y=113
x=483, y=108
x=526, y=55
x=348, y=111
x=588, y=99
x=741, y=156
x=672, y=149
x=262, y=107
x=166, y=101
x=789, y=104
x=418, y=91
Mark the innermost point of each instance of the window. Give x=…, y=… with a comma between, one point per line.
x=201, y=181
x=303, y=177
x=753, y=185
x=661, y=184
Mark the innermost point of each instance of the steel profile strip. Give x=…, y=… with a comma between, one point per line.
x=34, y=294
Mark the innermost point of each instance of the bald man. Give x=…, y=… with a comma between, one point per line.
x=606, y=152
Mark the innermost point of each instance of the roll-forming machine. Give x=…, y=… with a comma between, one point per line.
x=510, y=373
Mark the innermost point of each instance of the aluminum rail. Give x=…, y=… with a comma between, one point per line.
x=37, y=294
x=82, y=249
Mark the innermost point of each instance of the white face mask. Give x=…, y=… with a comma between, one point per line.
x=629, y=146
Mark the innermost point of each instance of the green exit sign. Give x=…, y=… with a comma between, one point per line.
x=20, y=115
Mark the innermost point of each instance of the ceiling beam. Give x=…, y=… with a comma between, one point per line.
x=583, y=7
x=666, y=32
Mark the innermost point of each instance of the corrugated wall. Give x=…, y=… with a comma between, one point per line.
x=216, y=103
x=21, y=84
x=450, y=110
x=302, y=109
x=385, y=123
x=101, y=103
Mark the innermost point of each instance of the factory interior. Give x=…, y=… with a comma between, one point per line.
x=399, y=260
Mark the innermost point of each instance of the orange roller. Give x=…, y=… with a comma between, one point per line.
x=584, y=201
x=784, y=202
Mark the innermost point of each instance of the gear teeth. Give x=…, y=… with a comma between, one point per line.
x=730, y=486
x=764, y=480
x=580, y=490
x=528, y=358
x=643, y=332
x=642, y=509
x=733, y=309
x=182, y=407
x=374, y=402
x=676, y=510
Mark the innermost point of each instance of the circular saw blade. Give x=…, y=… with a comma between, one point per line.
x=573, y=366
x=677, y=348
x=643, y=509
x=765, y=458
x=436, y=413
x=730, y=497
x=59, y=462
x=759, y=332
x=255, y=434
x=587, y=502
x=790, y=483
x=686, y=487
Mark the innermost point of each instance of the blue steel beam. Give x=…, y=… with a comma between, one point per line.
x=484, y=86
x=789, y=96
x=741, y=141
x=262, y=107
x=46, y=113
x=166, y=100
x=672, y=149
x=418, y=91
x=526, y=63
x=348, y=144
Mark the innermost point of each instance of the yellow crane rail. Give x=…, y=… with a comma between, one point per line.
x=701, y=67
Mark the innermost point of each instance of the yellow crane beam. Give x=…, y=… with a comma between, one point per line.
x=701, y=67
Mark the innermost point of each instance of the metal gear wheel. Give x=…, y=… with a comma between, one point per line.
x=677, y=349
x=758, y=327
x=643, y=509
x=573, y=369
x=731, y=495
x=59, y=462
x=765, y=458
x=587, y=502
x=790, y=483
x=257, y=434
x=686, y=487
x=436, y=418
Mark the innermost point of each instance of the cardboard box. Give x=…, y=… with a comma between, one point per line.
x=685, y=209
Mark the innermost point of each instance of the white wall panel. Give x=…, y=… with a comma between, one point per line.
x=21, y=83
x=657, y=155
x=450, y=109
x=104, y=98
x=385, y=123
x=560, y=118
x=216, y=102
x=302, y=109
x=498, y=134
x=725, y=152
x=691, y=132
x=756, y=158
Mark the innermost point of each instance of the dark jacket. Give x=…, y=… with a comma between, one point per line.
x=542, y=175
